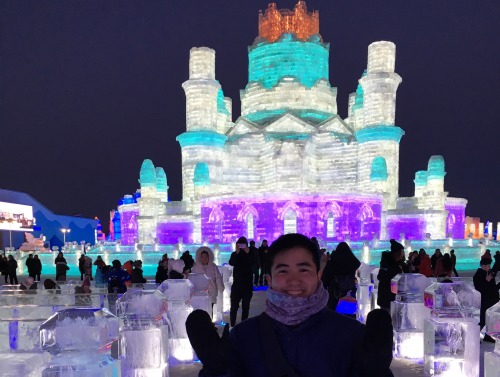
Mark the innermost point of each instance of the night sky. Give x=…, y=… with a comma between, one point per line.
x=89, y=89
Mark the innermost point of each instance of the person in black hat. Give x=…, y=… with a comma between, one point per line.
x=242, y=290
x=484, y=283
x=390, y=266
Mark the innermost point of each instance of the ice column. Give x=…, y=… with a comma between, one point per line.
x=408, y=313
x=492, y=359
x=451, y=334
x=143, y=334
x=178, y=293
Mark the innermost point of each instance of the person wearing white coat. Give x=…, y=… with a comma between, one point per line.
x=204, y=264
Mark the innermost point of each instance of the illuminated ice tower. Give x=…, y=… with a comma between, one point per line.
x=154, y=193
x=378, y=136
x=207, y=120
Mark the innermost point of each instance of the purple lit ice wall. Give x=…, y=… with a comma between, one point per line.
x=169, y=233
x=128, y=225
x=455, y=222
x=413, y=226
x=329, y=217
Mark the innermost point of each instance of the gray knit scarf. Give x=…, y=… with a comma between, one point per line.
x=291, y=310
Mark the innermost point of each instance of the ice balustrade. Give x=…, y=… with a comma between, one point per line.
x=178, y=294
x=200, y=298
x=467, y=251
x=451, y=333
x=80, y=341
x=408, y=313
x=492, y=359
x=144, y=333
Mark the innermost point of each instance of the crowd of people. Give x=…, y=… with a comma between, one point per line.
x=304, y=285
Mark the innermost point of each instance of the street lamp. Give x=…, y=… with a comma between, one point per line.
x=64, y=231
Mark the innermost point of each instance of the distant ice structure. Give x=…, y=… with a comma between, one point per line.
x=451, y=334
x=289, y=163
x=492, y=359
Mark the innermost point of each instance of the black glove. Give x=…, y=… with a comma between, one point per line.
x=212, y=350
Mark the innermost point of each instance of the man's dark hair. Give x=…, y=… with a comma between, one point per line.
x=289, y=241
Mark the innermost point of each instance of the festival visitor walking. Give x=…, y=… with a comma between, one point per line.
x=484, y=283
x=390, y=266
x=339, y=274
x=204, y=264
x=61, y=267
x=263, y=262
x=37, y=266
x=242, y=290
x=12, y=270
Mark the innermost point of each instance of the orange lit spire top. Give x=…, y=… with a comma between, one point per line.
x=275, y=22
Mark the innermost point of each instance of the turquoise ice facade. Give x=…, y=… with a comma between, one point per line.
x=201, y=174
x=379, y=133
x=147, y=176
x=207, y=138
x=435, y=167
x=379, y=169
x=307, y=61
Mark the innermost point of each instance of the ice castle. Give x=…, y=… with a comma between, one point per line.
x=290, y=163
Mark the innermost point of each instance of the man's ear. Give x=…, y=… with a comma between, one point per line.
x=269, y=280
x=320, y=274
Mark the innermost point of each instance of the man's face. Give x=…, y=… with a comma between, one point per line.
x=204, y=259
x=294, y=273
x=485, y=267
x=264, y=243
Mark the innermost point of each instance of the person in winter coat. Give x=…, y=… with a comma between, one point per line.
x=496, y=265
x=81, y=266
x=61, y=267
x=162, y=272
x=3, y=267
x=424, y=267
x=263, y=262
x=137, y=276
x=454, y=262
x=242, y=290
x=12, y=270
x=444, y=267
x=37, y=265
x=484, y=283
x=117, y=279
x=437, y=254
x=389, y=267
x=205, y=265
x=256, y=263
x=99, y=263
x=128, y=266
x=188, y=260
x=340, y=273
x=176, y=269
x=487, y=255
x=30, y=266
x=88, y=266
x=279, y=341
